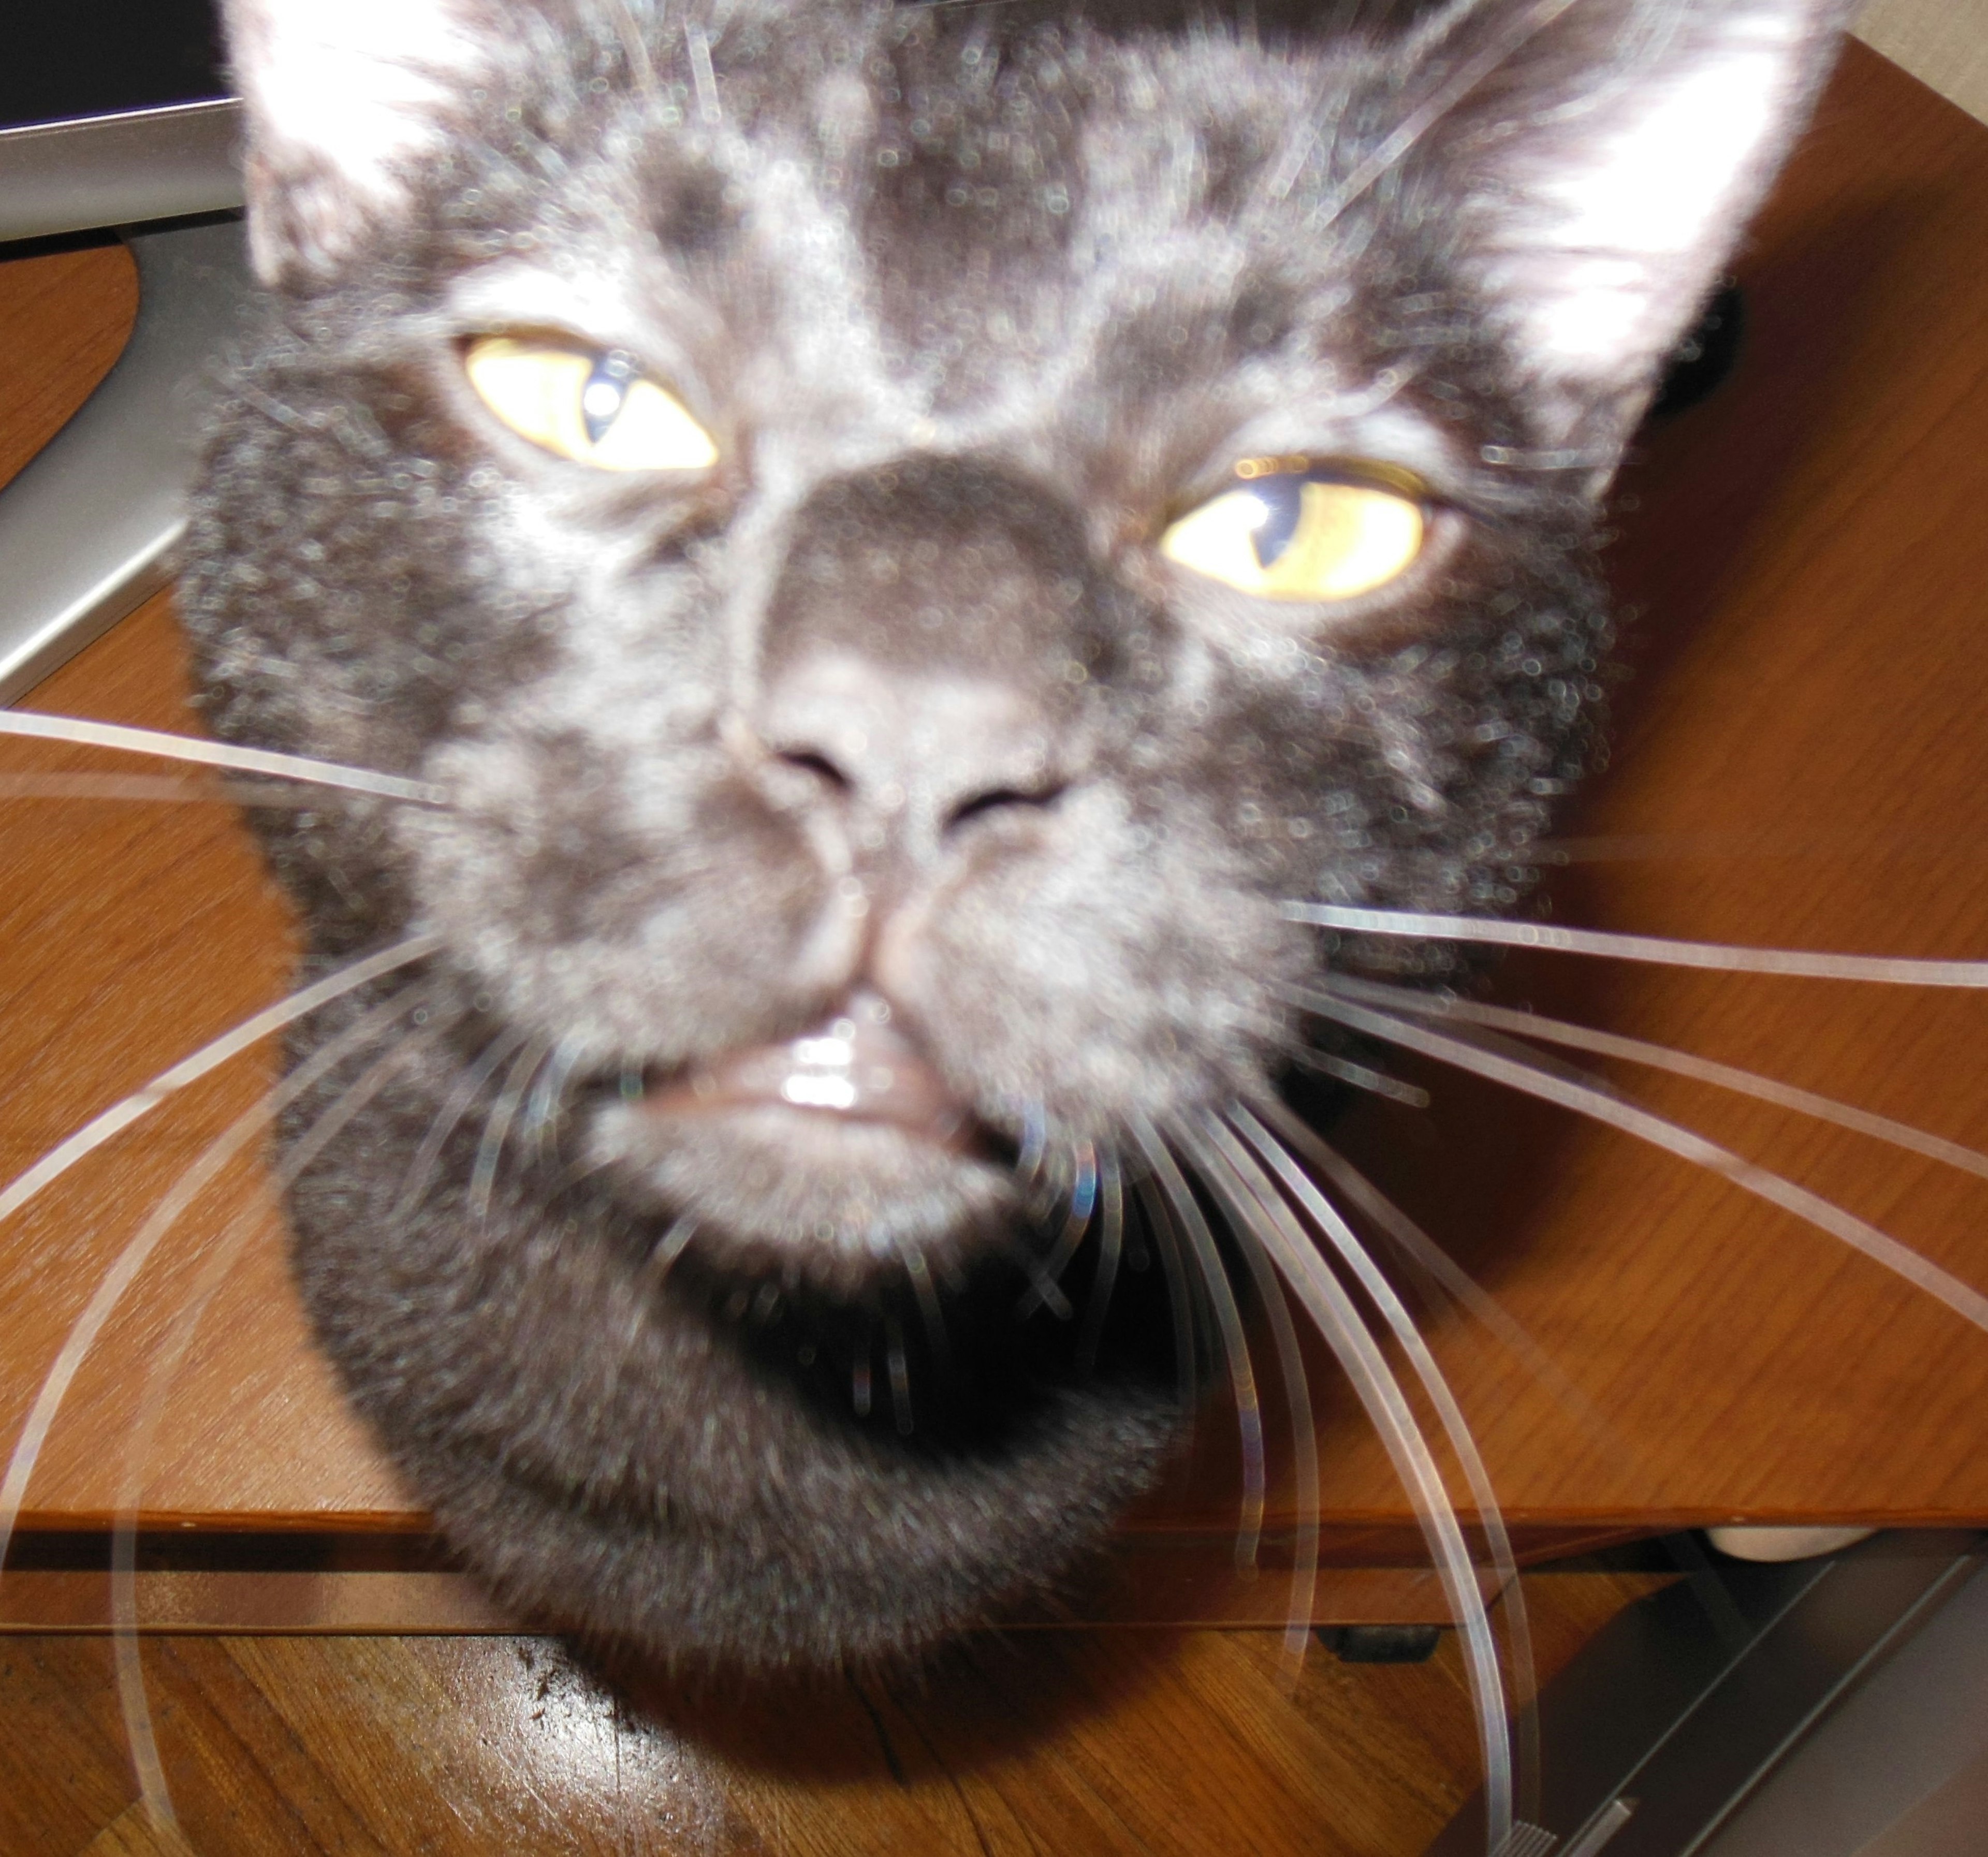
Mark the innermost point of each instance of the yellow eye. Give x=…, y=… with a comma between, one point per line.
x=1288, y=532
x=595, y=409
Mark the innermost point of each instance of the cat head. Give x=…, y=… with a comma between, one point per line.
x=933, y=522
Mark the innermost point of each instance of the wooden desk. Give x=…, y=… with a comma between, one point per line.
x=1801, y=762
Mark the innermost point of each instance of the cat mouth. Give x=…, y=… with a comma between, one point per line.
x=855, y=1067
x=821, y=1155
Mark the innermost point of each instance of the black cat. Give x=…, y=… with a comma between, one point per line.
x=905, y=537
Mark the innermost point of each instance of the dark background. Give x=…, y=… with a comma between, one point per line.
x=71, y=57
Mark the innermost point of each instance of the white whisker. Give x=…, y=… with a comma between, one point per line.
x=155, y=789
x=1387, y=1410
x=164, y=1369
x=1326, y=1217
x=1044, y=1288
x=1663, y=1057
x=927, y=1294
x=1422, y=1251
x=1111, y=1218
x=1297, y=1392
x=118, y=1278
x=900, y=1373
x=548, y=1097
x=1600, y=1105
x=1719, y=956
x=1363, y=1076
x=1229, y=1326
x=1182, y=1303
x=252, y=1031
x=448, y=1119
x=1432, y=109
x=1083, y=1203
x=136, y=1710
x=1034, y=1146
x=497, y=1130
x=81, y=732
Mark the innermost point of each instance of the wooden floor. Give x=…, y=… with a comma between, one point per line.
x=1052, y=1742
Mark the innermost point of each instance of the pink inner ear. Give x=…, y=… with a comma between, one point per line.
x=1607, y=215
x=343, y=95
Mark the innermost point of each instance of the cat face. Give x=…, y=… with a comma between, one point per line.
x=905, y=536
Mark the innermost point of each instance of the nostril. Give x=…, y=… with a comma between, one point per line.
x=808, y=761
x=1002, y=798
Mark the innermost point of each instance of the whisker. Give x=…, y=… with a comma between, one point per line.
x=1044, y=1288
x=1181, y=1300
x=548, y=1098
x=1034, y=1146
x=1600, y=1105
x=123, y=1272
x=1363, y=1076
x=900, y=1378
x=121, y=1115
x=497, y=1129
x=1297, y=1390
x=448, y=1119
x=81, y=732
x=927, y=1294
x=668, y=1249
x=1055, y=1181
x=662, y=1257
x=1723, y=957
x=1422, y=1251
x=1111, y=1203
x=158, y=789
x=1431, y=111
x=1228, y=1327
x=134, y=1706
x=133, y=1703
x=1083, y=1203
x=1326, y=1217
x=1665, y=1057
x=1387, y=1410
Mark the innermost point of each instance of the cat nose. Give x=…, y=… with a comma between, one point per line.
x=909, y=757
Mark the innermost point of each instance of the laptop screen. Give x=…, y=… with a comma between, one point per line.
x=69, y=59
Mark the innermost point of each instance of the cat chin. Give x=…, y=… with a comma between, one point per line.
x=804, y=1196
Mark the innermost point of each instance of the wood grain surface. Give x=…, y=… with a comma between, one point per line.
x=1801, y=762
x=1048, y=1744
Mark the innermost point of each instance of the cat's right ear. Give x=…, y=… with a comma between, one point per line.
x=345, y=99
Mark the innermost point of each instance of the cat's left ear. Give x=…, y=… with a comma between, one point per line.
x=346, y=100
x=1609, y=153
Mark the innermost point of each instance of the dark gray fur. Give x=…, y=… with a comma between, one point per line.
x=975, y=298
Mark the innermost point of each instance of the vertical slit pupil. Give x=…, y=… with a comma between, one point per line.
x=607, y=388
x=1283, y=498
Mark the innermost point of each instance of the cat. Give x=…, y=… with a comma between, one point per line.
x=902, y=539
